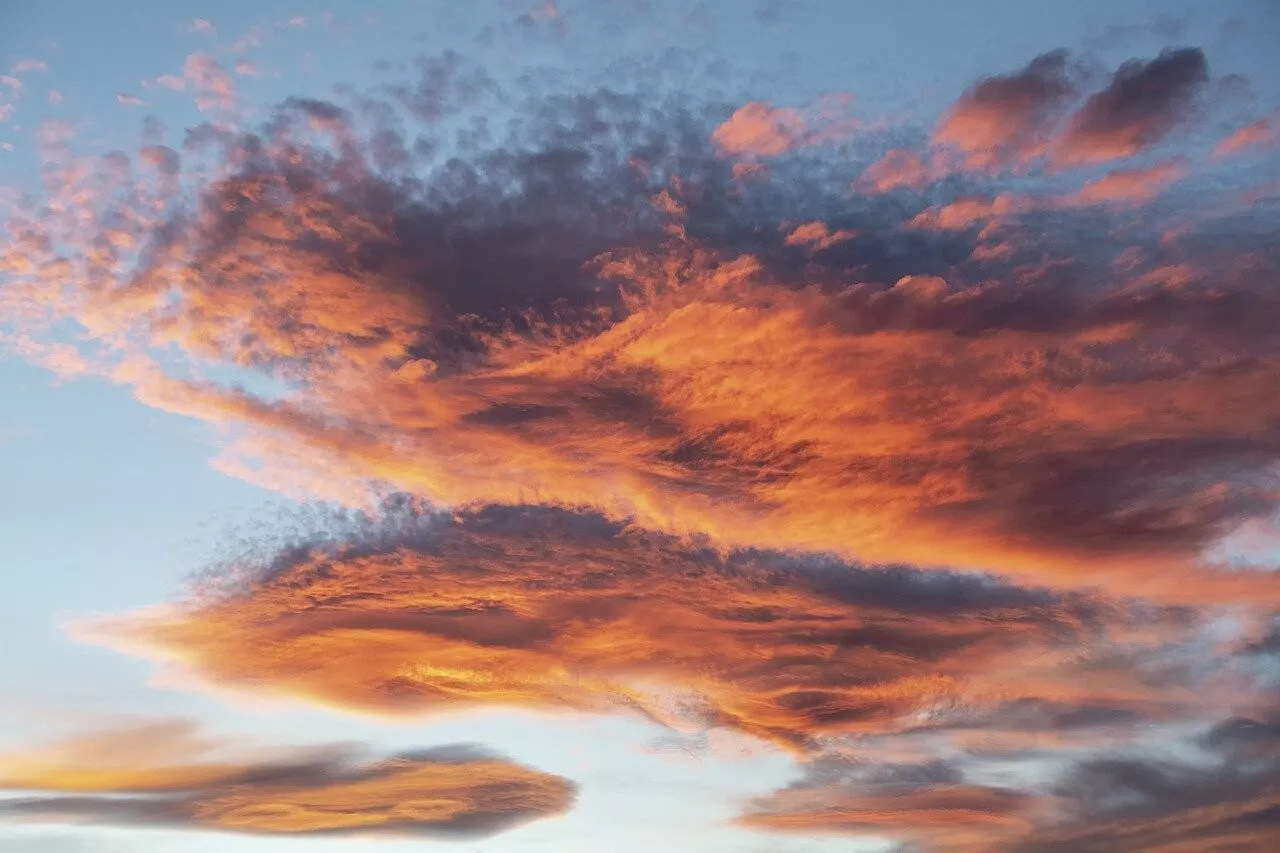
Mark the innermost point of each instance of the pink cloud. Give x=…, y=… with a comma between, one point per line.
x=760, y=130
x=166, y=81
x=1132, y=185
x=898, y=168
x=210, y=81
x=817, y=236
x=1263, y=132
x=969, y=211
x=25, y=65
x=1007, y=120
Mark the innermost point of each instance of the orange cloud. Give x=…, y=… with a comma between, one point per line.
x=472, y=345
x=939, y=815
x=598, y=315
x=168, y=775
x=760, y=130
x=542, y=608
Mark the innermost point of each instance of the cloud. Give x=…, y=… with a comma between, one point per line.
x=1264, y=132
x=817, y=236
x=417, y=612
x=968, y=211
x=1129, y=186
x=166, y=81
x=1008, y=120
x=169, y=775
x=1224, y=794
x=594, y=299
x=24, y=66
x=129, y=100
x=900, y=167
x=761, y=130
x=200, y=25
x=924, y=803
x=932, y=485
x=213, y=87
x=1143, y=103
x=1229, y=801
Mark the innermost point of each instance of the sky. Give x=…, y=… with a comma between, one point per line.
x=803, y=426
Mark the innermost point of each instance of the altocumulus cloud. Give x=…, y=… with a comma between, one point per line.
x=1082, y=390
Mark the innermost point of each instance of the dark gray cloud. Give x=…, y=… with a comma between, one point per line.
x=1227, y=799
x=1144, y=101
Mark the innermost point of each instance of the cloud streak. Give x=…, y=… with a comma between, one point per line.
x=169, y=775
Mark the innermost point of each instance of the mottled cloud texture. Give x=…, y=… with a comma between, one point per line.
x=929, y=453
x=170, y=775
x=537, y=607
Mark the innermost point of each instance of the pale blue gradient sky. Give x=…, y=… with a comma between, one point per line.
x=106, y=505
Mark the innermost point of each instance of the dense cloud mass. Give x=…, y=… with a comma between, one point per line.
x=601, y=304
x=169, y=775
x=923, y=454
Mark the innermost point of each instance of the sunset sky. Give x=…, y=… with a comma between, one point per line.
x=777, y=426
